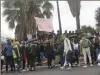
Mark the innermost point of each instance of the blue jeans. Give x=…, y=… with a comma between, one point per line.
x=41, y=56
x=62, y=60
x=97, y=51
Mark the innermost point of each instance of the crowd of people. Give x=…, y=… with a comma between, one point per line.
x=26, y=55
x=68, y=48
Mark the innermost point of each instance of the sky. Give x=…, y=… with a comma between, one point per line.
x=68, y=22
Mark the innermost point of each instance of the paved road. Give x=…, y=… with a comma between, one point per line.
x=57, y=71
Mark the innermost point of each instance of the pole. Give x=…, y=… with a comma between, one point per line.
x=59, y=19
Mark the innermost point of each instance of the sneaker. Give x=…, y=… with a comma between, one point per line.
x=69, y=68
x=85, y=66
x=30, y=69
x=27, y=69
x=48, y=66
x=79, y=65
x=98, y=64
x=62, y=68
x=53, y=65
x=74, y=65
x=91, y=65
x=24, y=70
x=33, y=69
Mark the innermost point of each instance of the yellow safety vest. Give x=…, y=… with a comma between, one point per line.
x=67, y=43
x=14, y=53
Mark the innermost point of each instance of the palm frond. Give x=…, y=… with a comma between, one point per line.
x=17, y=29
x=18, y=19
x=41, y=15
x=27, y=10
x=11, y=14
x=47, y=5
x=11, y=24
x=47, y=13
x=17, y=4
x=6, y=12
x=7, y=4
x=39, y=2
x=8, y=18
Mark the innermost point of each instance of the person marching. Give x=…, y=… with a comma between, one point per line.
x=76, y=51
x=16, y=55
x=8, y=55
x=50, y=54
x=67, y=53
x=32, y=56
x=85, y=45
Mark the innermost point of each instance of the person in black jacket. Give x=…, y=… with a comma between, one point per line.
x=41, y=52
x=2, y=59
x=61, y=51
x=38, y=54
x=27, y=54
x=22, y=50
x=97, y=46
x=32, y=56
x=9, y=55
x=50, y=54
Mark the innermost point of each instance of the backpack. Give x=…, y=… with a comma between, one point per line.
x=85, y=43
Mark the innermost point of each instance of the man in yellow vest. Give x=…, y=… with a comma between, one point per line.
x=16, y=55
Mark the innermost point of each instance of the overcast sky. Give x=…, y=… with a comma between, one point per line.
x=87, y=17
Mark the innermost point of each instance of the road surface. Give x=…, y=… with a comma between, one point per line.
x=57, y=71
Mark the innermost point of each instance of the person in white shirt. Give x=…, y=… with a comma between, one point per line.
x=76, y=51
x=67, y=49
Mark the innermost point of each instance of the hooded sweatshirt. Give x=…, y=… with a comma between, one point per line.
x=8, y=49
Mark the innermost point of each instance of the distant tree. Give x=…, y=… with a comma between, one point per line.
x=86, y=29
x=97, y=17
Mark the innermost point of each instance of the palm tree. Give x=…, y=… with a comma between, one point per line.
x=20, y=14
x=97, y=17
x=59, y=18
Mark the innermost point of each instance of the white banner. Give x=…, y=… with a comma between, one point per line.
x=44, y=24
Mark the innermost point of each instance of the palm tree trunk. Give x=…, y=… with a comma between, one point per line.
x=59, y=19
x=78, y=22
